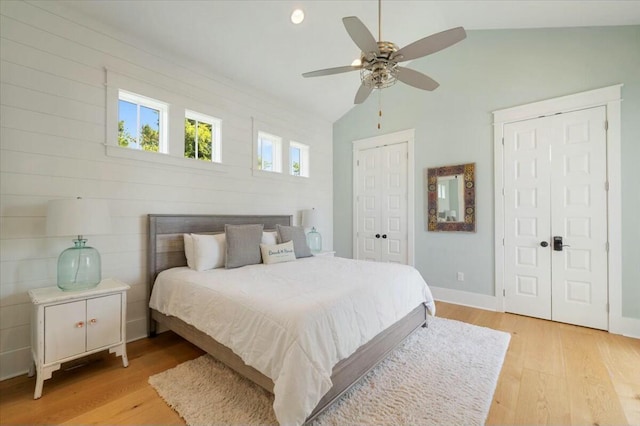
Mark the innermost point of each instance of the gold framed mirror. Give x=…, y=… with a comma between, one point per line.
x=451, y=198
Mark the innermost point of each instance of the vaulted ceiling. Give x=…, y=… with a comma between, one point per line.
x=255, y=44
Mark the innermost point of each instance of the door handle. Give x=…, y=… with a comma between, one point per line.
x=384, y=235
x=377, y=235
x=544, y=244
x=557, y=244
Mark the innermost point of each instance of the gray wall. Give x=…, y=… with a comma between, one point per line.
x=493, y=70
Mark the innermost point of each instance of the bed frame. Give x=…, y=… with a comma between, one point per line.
x=166, y=250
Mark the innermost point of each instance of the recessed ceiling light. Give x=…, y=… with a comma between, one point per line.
x=297, y=16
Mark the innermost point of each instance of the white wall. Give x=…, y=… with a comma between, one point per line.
x=53, y=110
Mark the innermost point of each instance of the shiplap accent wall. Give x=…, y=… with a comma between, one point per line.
x=52, y=145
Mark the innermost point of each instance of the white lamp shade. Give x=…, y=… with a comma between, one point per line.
x=78, y=216
x=310, y=218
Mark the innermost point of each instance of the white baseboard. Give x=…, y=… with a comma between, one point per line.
x=626, y=326
x=15, y=363
x=136, y=329
x=465, y=298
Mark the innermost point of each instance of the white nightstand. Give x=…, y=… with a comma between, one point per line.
x=66, y=325
x=324, y=253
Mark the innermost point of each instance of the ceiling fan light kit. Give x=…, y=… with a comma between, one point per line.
x=378, y=72
x=379, y=60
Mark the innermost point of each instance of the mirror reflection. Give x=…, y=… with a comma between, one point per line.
x=451, y=198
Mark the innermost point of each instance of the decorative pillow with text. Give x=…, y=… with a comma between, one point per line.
x=277, y=253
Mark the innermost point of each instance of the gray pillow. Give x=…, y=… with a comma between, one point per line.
x=295, y=234
x=243, y=245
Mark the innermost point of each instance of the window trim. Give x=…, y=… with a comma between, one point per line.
x=305, y=156
x=216, y=127
x=177, y=102
x=259, y=126
x=277, y=142
x=161, y=107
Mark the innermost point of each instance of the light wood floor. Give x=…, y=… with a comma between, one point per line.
x=553, y=374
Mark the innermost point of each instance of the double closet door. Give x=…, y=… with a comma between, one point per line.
x=556, y=218
x=381, y=203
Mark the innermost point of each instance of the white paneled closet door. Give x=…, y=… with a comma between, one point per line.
x=527, y=219
x=382, y=233
x=579, y=215
x=368, y=203
x=556, y=218
x=394, y=204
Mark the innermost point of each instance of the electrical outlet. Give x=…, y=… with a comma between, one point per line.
x=460, y=276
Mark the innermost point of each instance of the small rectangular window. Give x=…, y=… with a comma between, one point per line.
x=298, y=159
x=295, y=161
x=269, y=152
x=141, y=123
x=202, y=137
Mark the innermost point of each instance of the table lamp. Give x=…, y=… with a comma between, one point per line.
x=79, y=267
x=310, y=219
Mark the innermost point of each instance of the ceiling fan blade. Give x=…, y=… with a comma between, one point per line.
x=431, y=44
x=330, y=71
x=360, y=35
x=363, y=94
x=416, y=79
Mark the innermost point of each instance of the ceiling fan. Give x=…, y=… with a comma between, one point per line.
x=379, y=59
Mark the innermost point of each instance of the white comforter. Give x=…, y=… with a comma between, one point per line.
x=293, y=321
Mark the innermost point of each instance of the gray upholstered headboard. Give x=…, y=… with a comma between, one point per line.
x=166, y=245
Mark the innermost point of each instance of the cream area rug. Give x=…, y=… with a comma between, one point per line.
x=445, y=374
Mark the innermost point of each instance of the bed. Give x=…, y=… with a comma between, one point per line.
x=167, y=265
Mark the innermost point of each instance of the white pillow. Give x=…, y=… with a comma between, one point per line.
x=277, y=253
x=202, y=264
x=188, y=250
x=270, y=238
x=208, y=251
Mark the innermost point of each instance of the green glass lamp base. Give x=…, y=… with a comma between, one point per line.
x=79, y=267
x=314, y=240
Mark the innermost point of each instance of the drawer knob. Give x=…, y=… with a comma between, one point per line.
x=93, y=321
x=80, y=324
